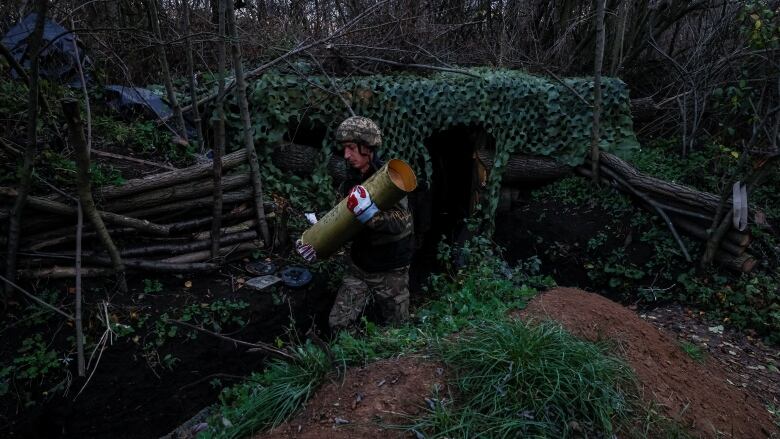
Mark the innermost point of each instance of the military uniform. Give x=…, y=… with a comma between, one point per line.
x=380, y=255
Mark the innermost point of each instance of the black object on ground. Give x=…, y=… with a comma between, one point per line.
x=295, y=277
x=260, y=268
x=132, y=102
x=59, y=60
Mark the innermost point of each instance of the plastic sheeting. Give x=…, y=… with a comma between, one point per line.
x=134, y=101
x=58, y=60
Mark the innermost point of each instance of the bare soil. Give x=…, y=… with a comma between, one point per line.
x=748, y=361
x=700, y=396
x=368, y=402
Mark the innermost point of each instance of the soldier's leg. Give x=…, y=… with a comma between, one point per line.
x=350, y=302
x=391, y=292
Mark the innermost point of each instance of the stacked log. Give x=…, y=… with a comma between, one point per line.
x=688, y=210
x=161, y=223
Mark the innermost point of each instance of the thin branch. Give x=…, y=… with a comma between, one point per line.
x=37, y=300
x=132, y=159
x=412, y=66
x=336, y=89
x=647, y=200
x=301, y=48
x=259, y=346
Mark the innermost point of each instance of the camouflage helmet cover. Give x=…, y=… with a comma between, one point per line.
x=361, y=130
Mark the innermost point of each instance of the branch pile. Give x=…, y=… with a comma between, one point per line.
x=683, y=209
x=160, y=223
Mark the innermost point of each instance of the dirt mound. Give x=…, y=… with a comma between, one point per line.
x=368, y=400
x=696, y=394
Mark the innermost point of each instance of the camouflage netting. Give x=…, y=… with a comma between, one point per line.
x=524, y=113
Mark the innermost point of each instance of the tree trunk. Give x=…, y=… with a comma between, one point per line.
x=175, y=249
x=206, y=202
x=704, y=202
x=249, y=145
x=70, y=109
x=219, y=133
x=25, y=177
x=224, y=252
x=61, y=236
x=59, y=272
x=78, y=320
x=113, y=218
x=171, y=178
x=162, y=58
x=597, y=66
x=522, y=169
x=191, y=74
x=170, y=194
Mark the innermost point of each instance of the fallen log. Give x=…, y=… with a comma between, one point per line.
x=195, y=224
x=744, y=262
x=196, y=203
x=236, y=228
x=656, y=187
x=303, y=159
x=735, y=243
x=65, y=235
x=59, y=272
x=131, y=159
x=162, y=266
x=224, y=252
x=178, y=192
x=524, y=169
x=170, y=178
x=176, y=249
x=130, y=265
x=113, y=218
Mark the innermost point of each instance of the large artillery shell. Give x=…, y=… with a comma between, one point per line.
x=387, y=187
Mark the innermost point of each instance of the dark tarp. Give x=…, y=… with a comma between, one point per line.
x=135, y=101
x=58, y=59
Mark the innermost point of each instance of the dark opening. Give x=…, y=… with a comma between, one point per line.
x=442, y=206
x=305, y=132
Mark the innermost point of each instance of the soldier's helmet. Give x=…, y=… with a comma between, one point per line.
x=360, y=130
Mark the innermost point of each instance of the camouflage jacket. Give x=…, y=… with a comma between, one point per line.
x=387, y=240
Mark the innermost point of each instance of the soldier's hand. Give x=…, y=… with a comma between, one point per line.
x=359, y=203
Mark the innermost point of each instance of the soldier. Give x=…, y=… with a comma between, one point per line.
x=381, y=253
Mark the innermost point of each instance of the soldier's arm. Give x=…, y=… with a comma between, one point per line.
x=394, y=220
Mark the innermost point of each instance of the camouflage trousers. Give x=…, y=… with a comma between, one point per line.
x=389, y=290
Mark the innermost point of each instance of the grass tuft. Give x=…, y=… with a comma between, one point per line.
x=516, y=379
x=693, y=350
x=268, y=399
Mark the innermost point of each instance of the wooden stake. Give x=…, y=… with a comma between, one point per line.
x=243, y=105
x=597, y=65
x=154, y=20
x=70, y=109
x=191, y=74
x=219, y=135
x=25, y=178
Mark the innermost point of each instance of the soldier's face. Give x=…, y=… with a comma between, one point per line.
x=356, y=158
